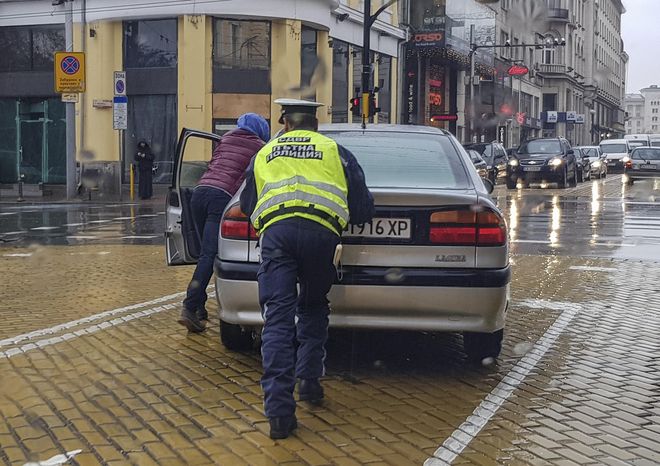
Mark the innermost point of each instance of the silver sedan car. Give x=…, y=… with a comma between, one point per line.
x=434, y=258
x=644, y=163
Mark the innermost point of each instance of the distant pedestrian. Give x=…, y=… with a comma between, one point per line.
x=145, y=162
x=223, y=177
x=301, y=192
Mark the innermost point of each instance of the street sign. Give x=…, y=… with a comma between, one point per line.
x=69, y=72
x=579, y=118
x=501, y=135
x=552, y=117
x=120, y=83
x=518, y=70
x=70, y=98
x=571, y=116
x=120, y=112
x=444, y=117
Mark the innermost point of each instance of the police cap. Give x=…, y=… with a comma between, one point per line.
x=290, y=106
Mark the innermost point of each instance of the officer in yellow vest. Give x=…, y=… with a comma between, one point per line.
x=302, y=190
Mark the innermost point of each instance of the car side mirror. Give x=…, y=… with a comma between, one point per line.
x=490, y=187
x=570, y=152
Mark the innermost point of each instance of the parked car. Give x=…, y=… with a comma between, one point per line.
x=434, y=258
x=617, y=153
x=638, y=140
x=583, y=165
x=495, y=157
x=479, y=163
x=644, y=163
x=545, y=160
x=596, y=159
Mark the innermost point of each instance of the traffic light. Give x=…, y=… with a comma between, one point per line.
x=356, y=109
x=373, y=104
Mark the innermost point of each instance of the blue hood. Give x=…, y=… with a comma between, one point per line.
x=255, y=124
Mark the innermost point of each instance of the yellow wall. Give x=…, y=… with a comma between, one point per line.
x=103, y=58
x=285, y=65
x=324, y=83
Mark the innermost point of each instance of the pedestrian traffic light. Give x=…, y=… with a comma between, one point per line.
x=356, y=110
x=373, y=104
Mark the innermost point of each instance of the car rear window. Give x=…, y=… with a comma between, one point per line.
x=613, y=148
x=646, y=154
x=590, y=152
x=541, y=147
x=405, y=160
x=485, y=150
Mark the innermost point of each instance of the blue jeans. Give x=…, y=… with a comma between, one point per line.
x=207, y=205
x=293, y=251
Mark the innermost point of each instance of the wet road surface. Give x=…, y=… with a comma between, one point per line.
x=93, y=363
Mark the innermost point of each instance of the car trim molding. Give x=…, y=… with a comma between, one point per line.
x=388, y=276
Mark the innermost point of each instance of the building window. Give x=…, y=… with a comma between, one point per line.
x=241, y=56
x=30, y=48
x=151, y=43
x=309, y=62
x=340, y=85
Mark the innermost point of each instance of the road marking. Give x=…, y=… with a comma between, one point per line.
x=100, y=221
x=86, y=320
x=81, y=237
x=588, y=268
x=44, y=228
x=139, y=237
x=124, y=218
x=466, y=432
x=18, y=254
x=73, y=224
x=56, y=460
x=14, y=232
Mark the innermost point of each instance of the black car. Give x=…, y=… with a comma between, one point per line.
x=583, y=164
x=495, y=157
x=544, y=160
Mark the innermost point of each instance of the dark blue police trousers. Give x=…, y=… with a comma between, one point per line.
x=294, y=251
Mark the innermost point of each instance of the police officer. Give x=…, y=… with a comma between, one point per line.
x=302, y=190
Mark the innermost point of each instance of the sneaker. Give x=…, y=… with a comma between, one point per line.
x=202, y=314
x=281, y=427
x=310, y=390
x=190, y=320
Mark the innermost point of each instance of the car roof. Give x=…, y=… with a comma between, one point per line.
x=378, y=128
x=614, y=141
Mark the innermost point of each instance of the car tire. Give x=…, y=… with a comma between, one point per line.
x=581, y=176
x=511, y=184
x=479, y=346
x=563, y=181
x=235, y=338
x=574, y=180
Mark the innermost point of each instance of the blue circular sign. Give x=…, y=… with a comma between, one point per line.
x=70, y=65
x=120, y=87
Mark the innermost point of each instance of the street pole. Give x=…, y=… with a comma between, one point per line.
x=471, y=121
x=366, y=62
x=71, y=182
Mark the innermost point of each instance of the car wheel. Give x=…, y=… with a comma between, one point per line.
x=574, y=179
x=563, y=181
x=511, y=184
x=581, y=176
x=479, y=346
x=235, y=338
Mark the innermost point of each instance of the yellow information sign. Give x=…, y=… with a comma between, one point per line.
x=69, y=72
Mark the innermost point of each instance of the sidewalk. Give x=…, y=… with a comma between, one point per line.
x=58, y=196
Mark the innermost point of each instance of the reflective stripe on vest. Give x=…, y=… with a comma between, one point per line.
x=300, y=174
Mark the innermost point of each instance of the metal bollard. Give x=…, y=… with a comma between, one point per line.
x=132, y=181
x=20, y=188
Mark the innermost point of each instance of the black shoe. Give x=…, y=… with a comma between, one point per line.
x=281, y=427
x=310, y=390
x=202, y=314
x=190, y=320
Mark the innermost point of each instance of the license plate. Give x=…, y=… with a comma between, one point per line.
x=532, y=169
x=611, y=164
x=393, y=228
x=649, y=167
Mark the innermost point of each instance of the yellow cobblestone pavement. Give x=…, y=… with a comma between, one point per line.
x=132, y=388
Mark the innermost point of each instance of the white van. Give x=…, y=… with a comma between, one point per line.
x=655, y=140
x=638, y=140
x=617, y=153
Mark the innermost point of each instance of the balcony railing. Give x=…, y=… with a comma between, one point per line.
x=560, y=14
x=552, y=68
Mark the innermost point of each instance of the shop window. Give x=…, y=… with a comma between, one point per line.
x=30, y=48
x=340, y=86
x=309, y=61
x=151, y=43
x=385, y=85
x=241, y=56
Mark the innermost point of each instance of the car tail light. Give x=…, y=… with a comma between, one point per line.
x=467, y=228
x=236, y=225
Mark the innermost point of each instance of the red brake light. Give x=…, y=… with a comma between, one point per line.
x=236, y=225
x=467, y=228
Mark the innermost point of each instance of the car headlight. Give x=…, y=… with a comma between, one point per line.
x=513, y=162
x=625, y=159
x=596, y=164
x=556, y=162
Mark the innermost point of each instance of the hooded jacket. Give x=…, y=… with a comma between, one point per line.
x=231, y=157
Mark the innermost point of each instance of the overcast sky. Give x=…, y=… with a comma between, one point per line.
x=641, y=35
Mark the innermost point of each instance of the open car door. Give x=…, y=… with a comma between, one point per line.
x=193, y=151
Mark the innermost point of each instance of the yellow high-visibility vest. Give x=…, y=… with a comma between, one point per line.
x=300, y=174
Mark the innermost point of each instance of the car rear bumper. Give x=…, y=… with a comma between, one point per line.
x=546, y=173
x=638, y=174
x=379, y=298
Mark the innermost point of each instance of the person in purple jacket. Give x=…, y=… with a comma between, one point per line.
x=223, y=177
